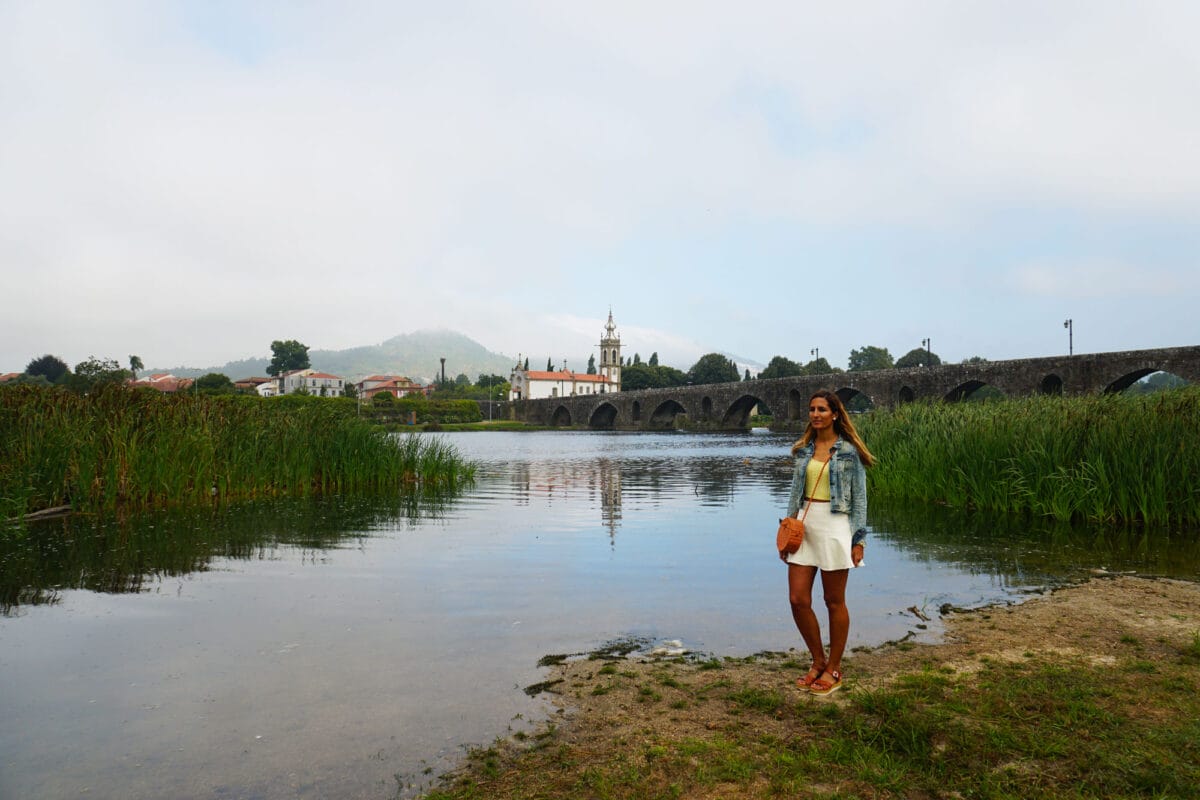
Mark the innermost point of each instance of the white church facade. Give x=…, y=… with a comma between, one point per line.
x=540, y=384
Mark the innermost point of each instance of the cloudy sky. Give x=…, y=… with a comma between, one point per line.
x=188, y=181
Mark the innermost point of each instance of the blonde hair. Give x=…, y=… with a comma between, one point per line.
x=842, y=425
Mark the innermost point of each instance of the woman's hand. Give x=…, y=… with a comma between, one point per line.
x=856, y=554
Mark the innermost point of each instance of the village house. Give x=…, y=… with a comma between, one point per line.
x=251, y=384
x=164, y=382
x=308, y=381
x=396, y=385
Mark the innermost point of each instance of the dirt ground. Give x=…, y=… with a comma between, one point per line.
x=633, y=700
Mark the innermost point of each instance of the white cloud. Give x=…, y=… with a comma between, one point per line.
x=341, y=177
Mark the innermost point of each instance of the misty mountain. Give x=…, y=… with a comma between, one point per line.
x=416, y=355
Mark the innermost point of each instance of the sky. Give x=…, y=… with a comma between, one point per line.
x=189, y=181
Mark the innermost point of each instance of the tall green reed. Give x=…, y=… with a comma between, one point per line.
x=1104, y=458
x=134, y=449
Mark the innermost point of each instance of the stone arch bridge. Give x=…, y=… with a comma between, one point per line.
x=727, y=406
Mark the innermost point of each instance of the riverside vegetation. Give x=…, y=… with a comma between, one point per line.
x=1125, y=459
x=118, y=449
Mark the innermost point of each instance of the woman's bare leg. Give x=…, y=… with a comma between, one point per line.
x=833, y=582
x=800, y=584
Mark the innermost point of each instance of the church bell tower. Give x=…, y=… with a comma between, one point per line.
x=610, y=355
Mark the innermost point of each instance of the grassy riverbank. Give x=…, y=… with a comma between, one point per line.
x=1090, y=692
x=121, y=449
x=1112, y=459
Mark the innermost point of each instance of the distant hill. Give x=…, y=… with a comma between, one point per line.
x=416, y=355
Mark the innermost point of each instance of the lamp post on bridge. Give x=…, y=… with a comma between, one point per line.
x=815, y=353
x=1069, y=324
x=928, y=352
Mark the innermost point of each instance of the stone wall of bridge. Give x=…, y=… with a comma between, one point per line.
x=727, y=406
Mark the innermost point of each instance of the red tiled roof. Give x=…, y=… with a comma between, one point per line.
x=578, y=377
x=8, y=376
x=323, y=376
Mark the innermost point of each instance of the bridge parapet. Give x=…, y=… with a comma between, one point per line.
x=727, y=406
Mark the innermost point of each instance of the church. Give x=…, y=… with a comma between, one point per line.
x=539, y=384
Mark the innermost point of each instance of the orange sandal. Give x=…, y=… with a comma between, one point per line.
x=805, y=683
x=822, y=687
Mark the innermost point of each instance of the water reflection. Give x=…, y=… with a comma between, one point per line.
x=116, y=556
x=1021, y=550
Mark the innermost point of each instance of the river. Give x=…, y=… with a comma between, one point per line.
x=354, y=648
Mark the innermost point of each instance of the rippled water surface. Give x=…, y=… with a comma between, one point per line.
x=351, y=649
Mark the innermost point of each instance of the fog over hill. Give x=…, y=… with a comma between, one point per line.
x=416, y=355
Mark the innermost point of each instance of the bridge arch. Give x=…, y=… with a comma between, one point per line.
x=561, y=417
x=604, y=418
x=663, y=416
x=968, y=391
x=637, y=411
x=1128, y=379
x=797, y=405
x=1051, y=384
x=855, y=399
x=738, y=413
x=905, y=395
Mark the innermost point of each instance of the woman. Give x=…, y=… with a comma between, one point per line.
x=830, y=472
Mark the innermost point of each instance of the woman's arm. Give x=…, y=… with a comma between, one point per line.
x=858, y=503
x=797, y=493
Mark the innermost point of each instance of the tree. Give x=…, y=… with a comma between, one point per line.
x=780, y=367
x=549, y=365
x=644, y=376
x=975, y=360
x=747, y=374
x=215, y=383
x=527, y=363
x=713, y=368
x=288, y=356
x=462, y=379
x=95, y=372
x=135, y=365
x=819, y=366
x=918, y=357
x=349, y=390
x=50, y=367
x=869, y=358
x=591, y=370
x=653, y=359
x=637, y=358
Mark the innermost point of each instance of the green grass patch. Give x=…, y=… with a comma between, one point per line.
x=1036, y=728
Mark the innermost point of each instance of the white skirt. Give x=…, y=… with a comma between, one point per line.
x=826, y=540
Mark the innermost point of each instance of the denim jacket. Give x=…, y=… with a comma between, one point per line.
x=847, y=486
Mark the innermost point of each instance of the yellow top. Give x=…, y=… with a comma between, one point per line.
x=817, y=490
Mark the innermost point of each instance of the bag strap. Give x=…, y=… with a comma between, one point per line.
x=808, y=505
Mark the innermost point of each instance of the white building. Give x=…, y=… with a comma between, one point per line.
x=538, y=384
x=310, y=381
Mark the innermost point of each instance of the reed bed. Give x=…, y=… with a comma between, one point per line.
x=1112, y=458
x=122, y=449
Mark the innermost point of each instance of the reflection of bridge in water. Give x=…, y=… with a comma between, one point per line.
x=727, y=406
